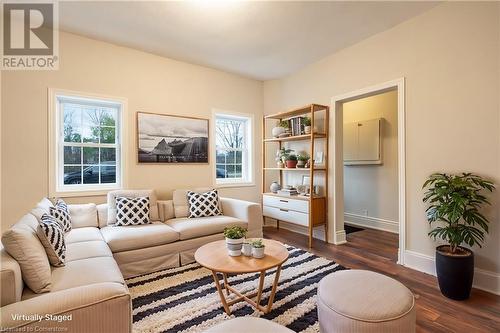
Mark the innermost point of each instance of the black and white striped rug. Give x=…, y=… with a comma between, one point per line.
x=185, y=299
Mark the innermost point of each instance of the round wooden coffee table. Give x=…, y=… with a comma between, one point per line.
x=214, y=256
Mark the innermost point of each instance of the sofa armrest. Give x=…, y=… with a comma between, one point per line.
x=250, y=212
x=166, y=209
x=11, y=281
x=99, y=307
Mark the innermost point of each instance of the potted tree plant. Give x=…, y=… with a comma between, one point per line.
x=281, y=128
x=258, y=249
x=455, y=202
x=307, y=125
x=301, y=160
x=291, y=161
x=281, y=156
x=234, y=239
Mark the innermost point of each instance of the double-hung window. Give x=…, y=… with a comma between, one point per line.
x=233, y=143
x=87, y=144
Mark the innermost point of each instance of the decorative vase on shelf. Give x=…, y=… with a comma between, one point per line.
x=307, y=129
x=301, y=164
x=280, y=164
x=275, y=187
x=291, y=164
x=277, y=131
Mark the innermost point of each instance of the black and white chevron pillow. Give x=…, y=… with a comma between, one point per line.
x=52, y=237
x=61, y=213
x=132, y=211
x=203, y=204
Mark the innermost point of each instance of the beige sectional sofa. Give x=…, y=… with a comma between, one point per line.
x=90, y=289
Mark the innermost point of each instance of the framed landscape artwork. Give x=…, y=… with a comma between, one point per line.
x=168, y=139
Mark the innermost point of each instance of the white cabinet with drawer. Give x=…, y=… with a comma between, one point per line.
x=287, y=215
x=286, y=203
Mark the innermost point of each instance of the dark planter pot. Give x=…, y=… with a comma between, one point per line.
x=291, y=164
x=455, y=273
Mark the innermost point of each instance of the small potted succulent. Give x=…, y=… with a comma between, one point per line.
x=302, y=160
x=455, y=202
x=307, y=125
x=281, y=128
x=234, y=239
x=247, y=248
x=281, y=156
x=258, y=249
x=291, y=161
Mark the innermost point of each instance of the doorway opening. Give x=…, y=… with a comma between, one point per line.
x=369, y=168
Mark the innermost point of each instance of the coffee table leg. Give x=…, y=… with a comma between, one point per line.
x=261, y=286
x=273, y=291
x=226, y=283
x=221, y=293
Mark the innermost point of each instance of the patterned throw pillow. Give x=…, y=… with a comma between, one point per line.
x=132, y=211
x=61, y=213
x=203, y=204
x=51, y=235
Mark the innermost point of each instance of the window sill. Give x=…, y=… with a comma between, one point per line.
x=82, y=193
x=229, y=185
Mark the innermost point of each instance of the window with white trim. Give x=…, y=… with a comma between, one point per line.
x=88, y=144
x=233, y=138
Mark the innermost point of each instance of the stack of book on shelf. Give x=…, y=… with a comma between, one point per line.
x=296, y=125
x=288, y=192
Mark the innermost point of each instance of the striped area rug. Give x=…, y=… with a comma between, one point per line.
x=185, y=299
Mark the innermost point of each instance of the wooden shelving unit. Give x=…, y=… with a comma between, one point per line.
x=309, y=211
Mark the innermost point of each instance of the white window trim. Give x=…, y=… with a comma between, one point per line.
x=219, y=183
x=54, y=189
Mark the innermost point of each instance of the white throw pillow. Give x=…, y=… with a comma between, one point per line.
x=203, y=204
x=132, y=211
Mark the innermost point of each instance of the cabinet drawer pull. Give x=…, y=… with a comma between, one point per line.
x=284, y=210
x=283, y=200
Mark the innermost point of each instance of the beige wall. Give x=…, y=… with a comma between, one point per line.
x=374, y=188
x=450, y=59
x=150, y=83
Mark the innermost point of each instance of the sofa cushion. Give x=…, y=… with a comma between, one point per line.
x=45, y=204
x=83, y=215
x=85, y=250
x=181, y=205
x=204, y=204
x=132, y=211
x=22, y=243
x=203, y=226
x=151, y=194
x=138, y=236
x=84, y=272
x=61, y=213
x=102, y=215
x=51, y=235
x=83, y=235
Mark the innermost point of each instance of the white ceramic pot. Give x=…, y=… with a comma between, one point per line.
x=247, y=249
x=307, y=129
x=275, y=187
x=277, y=131
x=234, y=246
x=258, y=252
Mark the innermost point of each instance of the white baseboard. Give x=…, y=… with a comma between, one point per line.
x=483, y=279
x=371, y=222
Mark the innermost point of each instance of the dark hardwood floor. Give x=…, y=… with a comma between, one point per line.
x=377, y=251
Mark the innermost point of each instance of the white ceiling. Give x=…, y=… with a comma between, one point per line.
x=261, y=40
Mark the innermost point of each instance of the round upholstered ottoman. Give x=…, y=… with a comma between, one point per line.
x=363, y=301
x=248, y=325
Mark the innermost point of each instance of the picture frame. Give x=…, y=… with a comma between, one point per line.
x=171, y=139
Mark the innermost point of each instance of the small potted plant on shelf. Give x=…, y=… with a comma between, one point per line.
x=291, y=161
x=302, y=160
x=281, y=128
x=258, y=249
x=455, y=202
x=234, y=239
x=281, y=156
x=307, y=125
